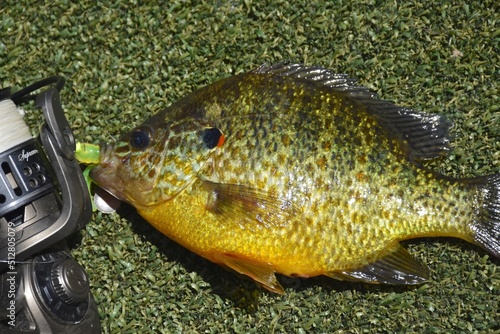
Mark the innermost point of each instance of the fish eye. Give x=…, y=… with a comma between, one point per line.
x=140, y=138
x=212, y=137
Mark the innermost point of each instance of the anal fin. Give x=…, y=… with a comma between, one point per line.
x=398, y=267
x=262, y=273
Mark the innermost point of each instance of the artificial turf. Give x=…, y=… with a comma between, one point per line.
x=125, y=60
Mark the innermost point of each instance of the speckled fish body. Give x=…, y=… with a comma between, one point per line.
x=296, y=170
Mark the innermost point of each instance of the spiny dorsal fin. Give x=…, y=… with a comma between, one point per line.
x=398, y=267
x=424, y=136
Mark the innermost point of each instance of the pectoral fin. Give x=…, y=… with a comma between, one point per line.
x=396, y=268
x=247, y=207
x=262, y=273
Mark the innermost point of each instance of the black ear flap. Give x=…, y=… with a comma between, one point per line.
x=212, y=137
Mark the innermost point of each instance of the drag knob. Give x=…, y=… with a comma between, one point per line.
x=70, y=282
x=62, y=285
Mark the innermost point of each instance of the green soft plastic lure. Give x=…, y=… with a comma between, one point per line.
x=88, y=154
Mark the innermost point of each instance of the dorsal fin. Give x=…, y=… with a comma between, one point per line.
x=423, y=136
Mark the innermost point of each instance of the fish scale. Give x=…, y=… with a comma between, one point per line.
x=312, y=175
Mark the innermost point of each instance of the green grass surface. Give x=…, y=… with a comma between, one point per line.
x=125, y=60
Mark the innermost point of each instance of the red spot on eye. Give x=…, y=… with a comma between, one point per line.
x=221, y=141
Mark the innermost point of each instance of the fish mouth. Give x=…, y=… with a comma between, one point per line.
x=115, y=176
x=106, y=174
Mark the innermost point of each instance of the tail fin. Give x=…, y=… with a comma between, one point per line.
x=487, y=226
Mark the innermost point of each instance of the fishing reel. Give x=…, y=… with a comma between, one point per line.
x=43, y=200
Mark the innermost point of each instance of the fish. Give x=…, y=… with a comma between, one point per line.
x=297, y=170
